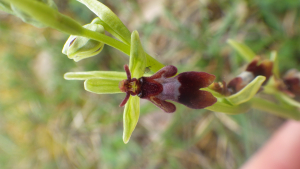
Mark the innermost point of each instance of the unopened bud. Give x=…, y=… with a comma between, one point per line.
x=79, y=48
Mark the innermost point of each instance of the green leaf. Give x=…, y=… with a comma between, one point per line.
x=137, y=61
x=247, y=92
x=48, y=16
x=274, y=58
x=274, y=108
x=130, y=117
x=102, y=86
x=286, y=99
x=109, y=20
x=95, y=74
x=242, y=49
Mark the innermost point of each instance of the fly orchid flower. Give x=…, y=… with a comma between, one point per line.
x=255, y=68
x=164, y=85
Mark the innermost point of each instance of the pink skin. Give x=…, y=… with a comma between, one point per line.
x=163, y=85
x=282, y=151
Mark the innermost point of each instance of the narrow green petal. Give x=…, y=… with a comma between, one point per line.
x=130, y=117
x=242, y=49
x=247, y=92
x=102, y=86
x=95, y=74
x=111, y=21
x=137, y=61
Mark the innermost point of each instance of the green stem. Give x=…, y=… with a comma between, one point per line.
x=279, y=110
x=107, y=40
x=220, y=106
x=152, y=63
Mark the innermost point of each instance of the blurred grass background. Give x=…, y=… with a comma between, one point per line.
x=49, y=122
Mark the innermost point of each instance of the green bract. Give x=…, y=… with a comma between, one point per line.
x=78, y=47
x=27, y=18
x=242, y=49
x=247, y=92
x=48, y=16
x=4, y=6
x=109, y=20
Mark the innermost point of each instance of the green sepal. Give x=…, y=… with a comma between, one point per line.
x=48, y=16
x=109, y=20
x=247, y=92
x=95, y=74
x=242, y=49
x=137, y=61
x=78, y=47
x=130, y=117
x=102, y=86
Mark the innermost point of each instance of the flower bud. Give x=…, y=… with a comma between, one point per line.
x=79, y=48
x=292, y=82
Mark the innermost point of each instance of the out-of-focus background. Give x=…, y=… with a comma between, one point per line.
x=49, y=122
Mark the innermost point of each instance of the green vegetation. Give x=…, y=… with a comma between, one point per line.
x=49, y=122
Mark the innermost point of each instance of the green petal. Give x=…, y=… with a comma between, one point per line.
x=48, y=16
x=242, y=49
x=109, y=20
x=102, y=86
x=137, y=61
x=247, y=92
x=95, y=74
x=130, y=117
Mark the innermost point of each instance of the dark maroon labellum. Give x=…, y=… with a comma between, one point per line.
x=164, y=85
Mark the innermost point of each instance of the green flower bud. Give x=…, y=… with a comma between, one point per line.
x=79, y=48
x=28, y=19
